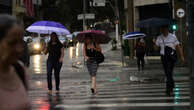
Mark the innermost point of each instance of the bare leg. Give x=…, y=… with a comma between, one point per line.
x=94, y=83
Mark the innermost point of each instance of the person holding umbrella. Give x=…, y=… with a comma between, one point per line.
x=55, y=60
x=168, y=44
x=139, y=47
x=140, y=53
x=92, y=51
x=89, y=51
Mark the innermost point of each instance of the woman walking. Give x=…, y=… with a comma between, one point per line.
x=140, y=53
x=13, y=75
x=55, y=59
x=168, y=44
x=89, y=51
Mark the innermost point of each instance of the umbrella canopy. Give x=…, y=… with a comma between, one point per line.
x=47, y=27
x=133, y=35
x=153, y=22
x=98, y=36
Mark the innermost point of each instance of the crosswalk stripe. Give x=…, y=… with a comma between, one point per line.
x=124, y=105
x=140, y=87
x=126, y=99
x=126, y=95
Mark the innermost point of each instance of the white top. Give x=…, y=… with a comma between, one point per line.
x=171, y=41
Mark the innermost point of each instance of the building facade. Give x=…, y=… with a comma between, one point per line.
x=19, y=10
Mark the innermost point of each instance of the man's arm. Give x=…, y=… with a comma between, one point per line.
x=179, y=49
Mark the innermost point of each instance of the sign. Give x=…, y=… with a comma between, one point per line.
x=180, y=13
x=99, y=2
x=87, y=16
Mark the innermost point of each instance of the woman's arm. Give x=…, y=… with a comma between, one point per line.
x=98, y=48
x=84, y=52
x=62, y=54
x=46, y=49
x=178, y=47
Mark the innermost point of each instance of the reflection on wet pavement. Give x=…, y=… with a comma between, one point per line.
x=37, y=64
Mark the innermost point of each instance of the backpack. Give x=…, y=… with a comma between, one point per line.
x=20, y=72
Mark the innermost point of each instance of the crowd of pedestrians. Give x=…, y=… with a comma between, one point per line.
x=14, y=77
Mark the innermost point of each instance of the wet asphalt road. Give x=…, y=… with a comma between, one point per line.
x=118, y=88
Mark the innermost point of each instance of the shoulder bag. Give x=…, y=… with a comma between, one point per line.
x=170, y=53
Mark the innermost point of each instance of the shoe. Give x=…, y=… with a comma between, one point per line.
x=92, y=90
x=57, y=92
x=49, y=92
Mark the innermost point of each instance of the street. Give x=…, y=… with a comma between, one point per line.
x=119, y=88
x=144, y=47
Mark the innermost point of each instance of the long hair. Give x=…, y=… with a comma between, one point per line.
x=6, y=23
x=56, y=37
x=88, y=36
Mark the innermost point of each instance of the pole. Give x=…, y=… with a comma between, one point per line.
x=117, y=24
x=84, y=15
x=118, y=30
x=190, y=20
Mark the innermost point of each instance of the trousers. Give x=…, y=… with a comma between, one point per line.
x=168, y=69
x=56, y=66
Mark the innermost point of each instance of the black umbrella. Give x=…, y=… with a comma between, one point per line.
x=153, y=22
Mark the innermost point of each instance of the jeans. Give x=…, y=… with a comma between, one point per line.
x=168, y=69
x=140, y=62
x=56, y=65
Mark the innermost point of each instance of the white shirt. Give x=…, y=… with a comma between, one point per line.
x=171, y=41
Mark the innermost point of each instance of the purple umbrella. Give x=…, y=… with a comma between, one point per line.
x=47, y=27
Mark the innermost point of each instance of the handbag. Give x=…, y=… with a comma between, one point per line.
x=170, y=53
x=99, y=57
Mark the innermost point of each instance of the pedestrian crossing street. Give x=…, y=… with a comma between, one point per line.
x=125, y=96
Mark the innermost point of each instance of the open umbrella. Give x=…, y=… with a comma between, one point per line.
x=153, y=22
x=98, y=36
x=47, y=27
x=133, y=35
